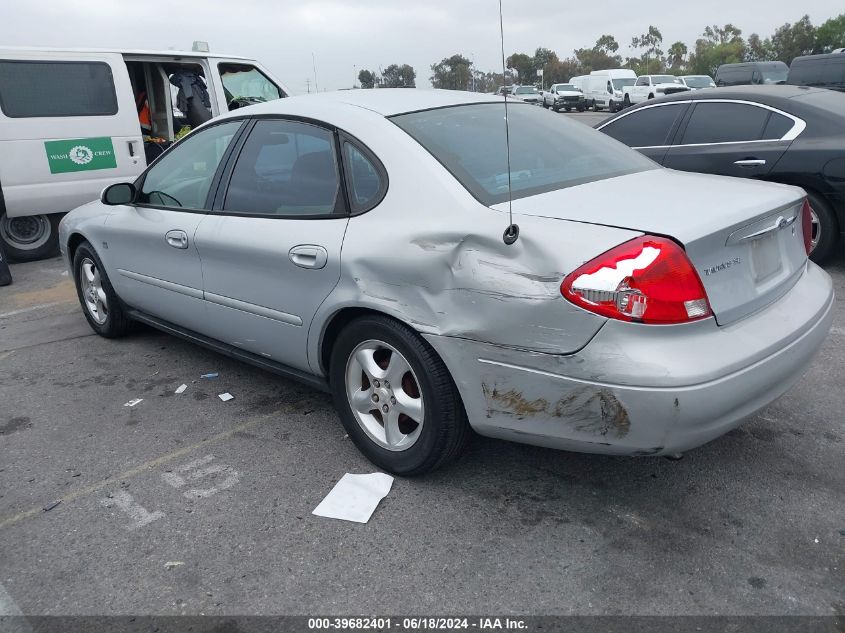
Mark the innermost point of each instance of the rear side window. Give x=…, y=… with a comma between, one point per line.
x=56, y=89
x=366, y=184
x=546, y=152
x=647, y=127
x=777, y=126
x=286, y=168
x=725, y=123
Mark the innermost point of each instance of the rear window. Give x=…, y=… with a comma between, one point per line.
x=547, y=152
x=56, y=89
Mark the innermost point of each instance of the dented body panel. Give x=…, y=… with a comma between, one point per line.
x=637, y=390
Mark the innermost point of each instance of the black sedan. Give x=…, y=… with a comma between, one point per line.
x=788, y=134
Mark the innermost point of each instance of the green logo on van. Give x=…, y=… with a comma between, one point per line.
x=80, y=154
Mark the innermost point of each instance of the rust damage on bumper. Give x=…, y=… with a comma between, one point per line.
x=588, y=410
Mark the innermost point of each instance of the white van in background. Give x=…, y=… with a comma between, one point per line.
x=580, y=82
x=604, y=88
x=74, y=121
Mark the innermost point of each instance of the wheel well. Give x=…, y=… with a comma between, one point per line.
x=73, y=243
x=339, y=321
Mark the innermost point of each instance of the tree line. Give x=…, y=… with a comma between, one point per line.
x=650, y=55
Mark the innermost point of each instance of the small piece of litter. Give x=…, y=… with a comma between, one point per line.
x=355, y=497
x=173, y=563
x=181, y=388
x=52, y=505
x=225, y=397
x=133, y=402
x=210, y=376
x=815, y=540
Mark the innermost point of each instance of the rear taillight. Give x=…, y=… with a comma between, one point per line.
x=807, y=226
x=648, y=280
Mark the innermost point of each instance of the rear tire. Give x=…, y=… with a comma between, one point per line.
x=31, y=237
x=626, y=102
x=827, y=235
x=360, y=372
x=100, y=303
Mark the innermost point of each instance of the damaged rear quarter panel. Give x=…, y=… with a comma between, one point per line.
x=433, y=257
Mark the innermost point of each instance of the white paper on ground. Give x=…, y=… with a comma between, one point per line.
x=225, y=397
x=133, y=402
x=181, y=388
x=355, y=497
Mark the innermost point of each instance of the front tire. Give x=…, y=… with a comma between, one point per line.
x=825, y=229
x=395, y=397
x=100, y=303
x=611, y=107
x=31, y=237
x=626, y=102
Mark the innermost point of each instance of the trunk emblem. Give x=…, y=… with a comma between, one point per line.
x=720, y=267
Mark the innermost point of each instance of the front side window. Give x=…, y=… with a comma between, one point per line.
x=245, y=85
x=642, y=81
x=546, y=152
x=286, y=168
x=725, y=123
x=647, y=127
x=182, y=178
x=56, y=89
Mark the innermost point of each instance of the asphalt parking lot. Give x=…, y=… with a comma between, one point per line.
x=184, y=504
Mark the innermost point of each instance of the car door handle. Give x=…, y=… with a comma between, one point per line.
x=177, y=238
x=750, y=162
x=309, y=256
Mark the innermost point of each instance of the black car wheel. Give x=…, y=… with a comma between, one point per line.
x=825, y=229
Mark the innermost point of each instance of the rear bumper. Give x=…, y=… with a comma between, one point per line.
x=644, y=390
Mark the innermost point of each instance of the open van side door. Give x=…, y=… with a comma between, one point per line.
x=68, y=128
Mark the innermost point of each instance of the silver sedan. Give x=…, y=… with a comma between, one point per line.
x=355, y=241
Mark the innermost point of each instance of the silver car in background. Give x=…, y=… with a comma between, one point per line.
x=354, y=241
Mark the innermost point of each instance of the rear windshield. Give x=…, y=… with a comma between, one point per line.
x=699, y=81
x=665, y=79
x=827, y=100
x=525, y=90
x=547, y=151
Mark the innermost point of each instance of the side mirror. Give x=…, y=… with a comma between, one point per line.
x=118, y=193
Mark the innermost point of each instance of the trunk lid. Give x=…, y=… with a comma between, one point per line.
x=744, y=237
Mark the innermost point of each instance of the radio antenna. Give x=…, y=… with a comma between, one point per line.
x=512, y=232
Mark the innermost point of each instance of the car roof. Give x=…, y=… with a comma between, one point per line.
x=384, y=101
x=117, y=51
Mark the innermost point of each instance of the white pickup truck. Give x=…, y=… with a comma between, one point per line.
x=564, y=96
x=650, y=86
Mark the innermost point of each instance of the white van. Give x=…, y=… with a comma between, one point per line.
x=71, y=124
x=580, y=82
x=604, y=88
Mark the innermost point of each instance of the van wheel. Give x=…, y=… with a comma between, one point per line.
x=395, y=397
x=825, y=229
x=100, y=303
x=29, y=237
x=651, y=96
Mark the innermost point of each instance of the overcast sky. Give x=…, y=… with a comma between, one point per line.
x=356, y=34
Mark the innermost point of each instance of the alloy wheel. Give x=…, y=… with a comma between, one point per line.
x=815, y=230
x=91, y=286
x=384, y=395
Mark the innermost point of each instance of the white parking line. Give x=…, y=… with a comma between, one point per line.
x=40, y=306
x=7, y=605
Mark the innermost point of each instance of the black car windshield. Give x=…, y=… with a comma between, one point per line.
x=618, y=84
x=699, y=82
x=547, y=152
x=525, y=90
